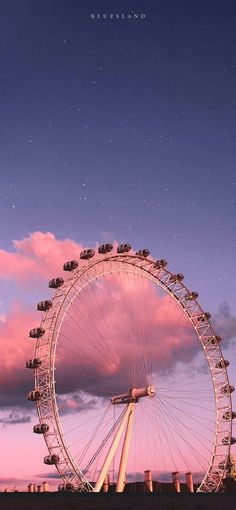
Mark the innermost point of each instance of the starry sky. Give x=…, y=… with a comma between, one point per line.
x=122, y=129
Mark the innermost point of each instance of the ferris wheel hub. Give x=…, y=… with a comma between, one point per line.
x=134, y=395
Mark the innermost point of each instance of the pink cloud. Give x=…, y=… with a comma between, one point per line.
x=97, y=356
x=15, y=347
x=112, y=322
x=103, y=341
x=40, y=255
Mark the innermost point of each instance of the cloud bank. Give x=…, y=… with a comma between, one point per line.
x=113, y=331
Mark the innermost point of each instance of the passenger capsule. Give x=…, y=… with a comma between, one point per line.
x=50, y=460
x=160, y=263
x=55, y=283
x=228, y=464
x=226, y=440
x=143, y=253
x=105, y=248
x=71, y=265
x=33, y=396
x=227, y=389
x=43, y=306
x=87, y=254
x=41, y=428
x=69, y=487
x=190, y=296
x=229, y=415
x=33, y=363
x=61, y=487
x=123, y=248
x=223, y=363
x=204, y=317
x=214, y=340
x=36, y=332
x=176, y=278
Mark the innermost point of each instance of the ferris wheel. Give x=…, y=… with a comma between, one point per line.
x=129, y=375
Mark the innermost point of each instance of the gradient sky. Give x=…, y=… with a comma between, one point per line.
x=120, y=130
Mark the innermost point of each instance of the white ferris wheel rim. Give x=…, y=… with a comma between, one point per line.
x=45, y=349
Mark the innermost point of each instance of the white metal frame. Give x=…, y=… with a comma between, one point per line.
x=46, y=351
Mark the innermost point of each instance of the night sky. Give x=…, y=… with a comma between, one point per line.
x=122, y=129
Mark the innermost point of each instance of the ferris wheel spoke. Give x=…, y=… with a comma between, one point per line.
x=82, y=455
x=187, y=402
x=171, y=425
x=161, y=431
x=186, y=396
x=185, y=392
x=108, y=335
x=184, y=411
x=103, y=348
x=75, y=370
x=160, y=439
x=80, y=352
x=90, y=338
x=127, y=334
x=130, y=334
x=82, y=423
x=140, y=341
x=109, y=330
x=182, y=437
x=196, y=435
x=91, y=326
x=169, y=442
x=105, y=440
x=176, y=382
x=191, y=415
x=160, y=424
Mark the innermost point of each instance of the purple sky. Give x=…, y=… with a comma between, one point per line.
x=122, y=130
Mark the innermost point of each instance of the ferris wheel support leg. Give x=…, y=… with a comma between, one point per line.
x=125, y=450
x=111, y=451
